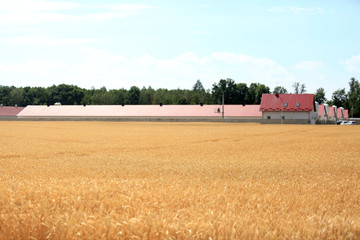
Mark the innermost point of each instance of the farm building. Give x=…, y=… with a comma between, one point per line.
x=329, y=115
x=9, y=112
x=340, y=113
x=288, y=108
x=240, y=113
x=333, y=114
x=323, y=114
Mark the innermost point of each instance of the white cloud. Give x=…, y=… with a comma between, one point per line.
x=308, y=65
x=25, y=12
x=353, y=64
x=258, y=69
x=46, y=41
x=101, y=68
x=296, y=10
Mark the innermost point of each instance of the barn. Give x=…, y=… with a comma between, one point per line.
x=288, y=108
x=231, y=113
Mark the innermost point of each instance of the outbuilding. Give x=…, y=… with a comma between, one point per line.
x=288, y=108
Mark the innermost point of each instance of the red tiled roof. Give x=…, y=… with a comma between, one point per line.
x=277, y=102
x=141, y=111
x=10, y=111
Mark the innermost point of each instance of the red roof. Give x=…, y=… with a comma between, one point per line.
x=287, y=102
x=141, y=111
x=331, y=112
x=10, y=111
x=321, y=110
x=339, y=113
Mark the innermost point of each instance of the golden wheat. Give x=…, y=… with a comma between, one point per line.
x=97, y=180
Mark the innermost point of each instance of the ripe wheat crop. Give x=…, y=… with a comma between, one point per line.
x=119, y=180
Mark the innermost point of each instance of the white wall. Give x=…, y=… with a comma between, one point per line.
x=288, y=115
x=309, y=116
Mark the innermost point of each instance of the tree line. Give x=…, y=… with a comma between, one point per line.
x=234, y=93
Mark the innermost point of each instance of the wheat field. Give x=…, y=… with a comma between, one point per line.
x=142, y=180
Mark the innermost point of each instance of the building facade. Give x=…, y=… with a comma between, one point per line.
x=288, y=108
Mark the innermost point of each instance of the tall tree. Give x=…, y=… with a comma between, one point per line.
x=302, y=88
x=296, y=86
x=66, y=94
x=198, y=86
x=339, y=98
x=229, y=88
x=260, y=90
x=198, y=93
x=320, y=95
x=146, y=95
x=280, y=90
x=354, y=98
x=16, y=96
x=4, y=94
x=251, y=95
x=242, y=90
x=299, y=89
x=256, y=90
x=134, y=95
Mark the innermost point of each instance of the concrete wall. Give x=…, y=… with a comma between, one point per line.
x=146, y=119
x=286, y=121
x=287, y=115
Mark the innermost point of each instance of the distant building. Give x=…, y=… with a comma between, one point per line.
x=323, y=114
x=9, y=112
x=240, y=113
x=288, y=108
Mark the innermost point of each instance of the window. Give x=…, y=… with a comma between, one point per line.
x=285, y=104
x=268, y=117
x=283, y=117
x=298, y=104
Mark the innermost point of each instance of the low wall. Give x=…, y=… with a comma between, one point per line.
x=357, y=120
x=285, y=121
x=144, y=119
x=8, y=118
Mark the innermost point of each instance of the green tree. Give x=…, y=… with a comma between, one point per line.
x=260, y=90
x=120, y=96
x=4, y=94
x=228, y=86
x=320, y=95
x=35, y=96
x=198, y=86
x=16, y=97
x=339, y=98
x=197, y=95
x=280, y=90
x=134, y=95
x=242, y=91
x=66, y=94
x=353, y=103
x=256, y=90
x=146, y=95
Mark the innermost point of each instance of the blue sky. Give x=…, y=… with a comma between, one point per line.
x=171, y=44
